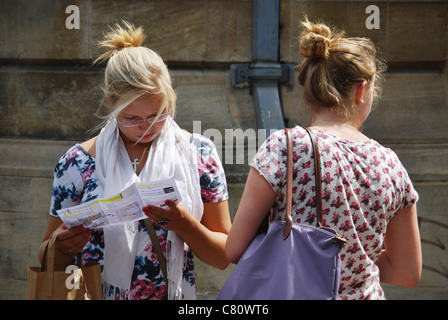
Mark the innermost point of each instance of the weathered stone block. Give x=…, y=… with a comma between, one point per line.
x=229, y=31
x=424, y=162
x=410, y=33
x=38, y=31
x=24, y=221
x=62, y=103
x=416, y=33
x=186, y=31
x=193, y=31
x=176, y=31
x=49, y=103
x=31, y=158
x=202, y=97
x=412, y=109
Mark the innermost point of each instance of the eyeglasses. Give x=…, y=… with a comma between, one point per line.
x=137, y=122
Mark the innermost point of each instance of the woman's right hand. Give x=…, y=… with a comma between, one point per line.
x=71, y=241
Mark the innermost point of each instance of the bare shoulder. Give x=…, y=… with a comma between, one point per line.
x=89, y=146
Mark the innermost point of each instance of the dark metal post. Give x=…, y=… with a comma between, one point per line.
x=265, y=73
x=265, y=30
x=268, y=108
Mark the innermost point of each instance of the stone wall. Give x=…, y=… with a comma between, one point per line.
x=49, y=93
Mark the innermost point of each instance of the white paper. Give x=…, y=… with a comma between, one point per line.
x=123, y=207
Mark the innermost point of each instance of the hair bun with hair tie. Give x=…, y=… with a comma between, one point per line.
x=120, y=37
x=315, y=40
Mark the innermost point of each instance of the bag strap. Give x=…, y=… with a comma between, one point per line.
x=288, y=217
x=157, y=248
x=48, y=263
x=318, y=175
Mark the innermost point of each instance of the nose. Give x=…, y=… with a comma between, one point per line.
x=145, y=123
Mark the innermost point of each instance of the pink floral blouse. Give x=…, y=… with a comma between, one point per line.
x=363, y=186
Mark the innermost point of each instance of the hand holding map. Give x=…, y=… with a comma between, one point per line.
x=123, y=207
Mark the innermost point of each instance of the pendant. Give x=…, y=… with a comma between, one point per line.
x=135, y=164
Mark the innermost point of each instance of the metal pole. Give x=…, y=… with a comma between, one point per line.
x=265, y=73
x=268, y=108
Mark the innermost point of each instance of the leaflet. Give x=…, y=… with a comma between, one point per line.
x=123, y=207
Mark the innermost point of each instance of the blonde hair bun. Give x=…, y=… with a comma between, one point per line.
x=133, y=70
x=121, y=37
x=315, y=40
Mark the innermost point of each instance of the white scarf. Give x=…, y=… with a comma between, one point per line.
x=170, y=156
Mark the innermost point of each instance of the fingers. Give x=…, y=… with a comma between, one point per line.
x=163, y=217
x=157, y=213
x=72, y=241
x=171, y=204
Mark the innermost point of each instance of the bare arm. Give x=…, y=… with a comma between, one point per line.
x=207, y=238
x=256, y=201
x=401, y=261
x=75, y=238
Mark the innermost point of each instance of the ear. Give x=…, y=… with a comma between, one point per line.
x=359, y=92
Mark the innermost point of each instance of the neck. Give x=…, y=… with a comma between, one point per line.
x=331, y=123
x=338, y=127
x=133, y=146
x=331, y=119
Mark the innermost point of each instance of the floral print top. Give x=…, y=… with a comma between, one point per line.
x=363, y=186
x=75, y=182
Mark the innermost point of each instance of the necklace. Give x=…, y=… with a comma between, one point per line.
x=135, y=163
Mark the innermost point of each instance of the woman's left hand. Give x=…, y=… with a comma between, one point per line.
x=174, y=218
x=206, y=238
